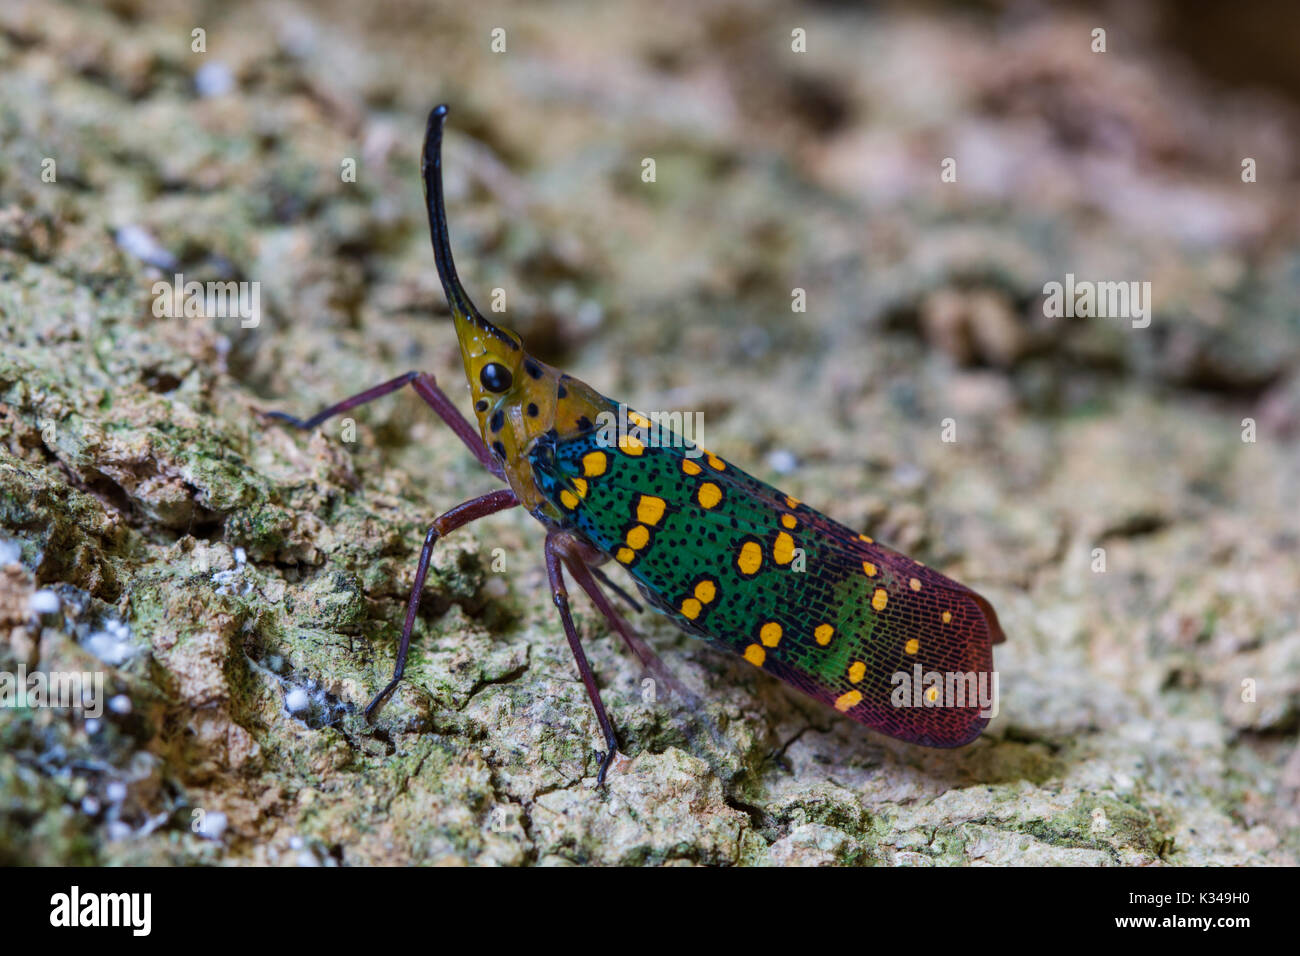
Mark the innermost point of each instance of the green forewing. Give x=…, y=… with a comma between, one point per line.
x=749, y=569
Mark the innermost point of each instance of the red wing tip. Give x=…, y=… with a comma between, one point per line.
x=970, y=735
x=991, y=619
x=949, y=735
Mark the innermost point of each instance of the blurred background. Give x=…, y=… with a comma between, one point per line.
x=1125, y=496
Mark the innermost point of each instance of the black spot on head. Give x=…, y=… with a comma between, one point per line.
x=532, y=368
x=499, y=450
x=481, y=405
x=498, y=419
x=561, y=392
x=584, y=424
x=531, y=410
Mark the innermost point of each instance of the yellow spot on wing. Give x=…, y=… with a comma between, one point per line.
x=580, y=486
x=912, y=646
x=787, y=521
x=932, y=694
x=750, y=558
x=755, y=655
x=709, y=495
x=636, y=418
x=689, y=467
x=594, y=463
x=869, y=568
x=863, y=537
x=568, y=499
x=625, y=555
x=947, y=617
x=716, y=463
x=914, y=584
x=783, y=549
x=848, y=701
x=824, y=633
x=649, y=509
x=691, y=608
x=791, y=501
x=706, y=591
x=857, y=671
x=879, y=599
x=770, y=634
x=630, y=445
x=638, y=537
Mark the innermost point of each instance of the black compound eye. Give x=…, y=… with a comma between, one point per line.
x=495, y=377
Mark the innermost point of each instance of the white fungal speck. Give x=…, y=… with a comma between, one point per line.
x=213, y=824
x=89, y=806
x=121, y=704
x=110, y=645
x=782, y=462
x=117, y=830
x=138, y=242
x=44, y=601
x=296, y=700
x=10, y=552
x=115, y=791
x=225, y=580
x=213, y=78
x=92, y=726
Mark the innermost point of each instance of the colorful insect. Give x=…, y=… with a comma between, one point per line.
x=725, y=556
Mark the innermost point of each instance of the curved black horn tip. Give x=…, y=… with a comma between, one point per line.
x=433, y=137
x=436, y=117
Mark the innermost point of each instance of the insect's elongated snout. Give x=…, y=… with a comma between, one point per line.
x=462, y=308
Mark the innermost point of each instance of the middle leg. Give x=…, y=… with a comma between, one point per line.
x=560, y=594
x=645, y=654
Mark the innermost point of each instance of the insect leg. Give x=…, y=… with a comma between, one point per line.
x=583, y=575
x=560, y=594
x=604, y=579
x=427, y=388
x=437, y=399
x=443, y=525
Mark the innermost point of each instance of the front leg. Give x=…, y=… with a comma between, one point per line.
x=445, y=524
x=427, y=389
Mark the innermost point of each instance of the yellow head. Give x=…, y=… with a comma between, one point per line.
x=516, y=397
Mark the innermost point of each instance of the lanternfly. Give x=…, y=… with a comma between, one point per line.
x=710, y=546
